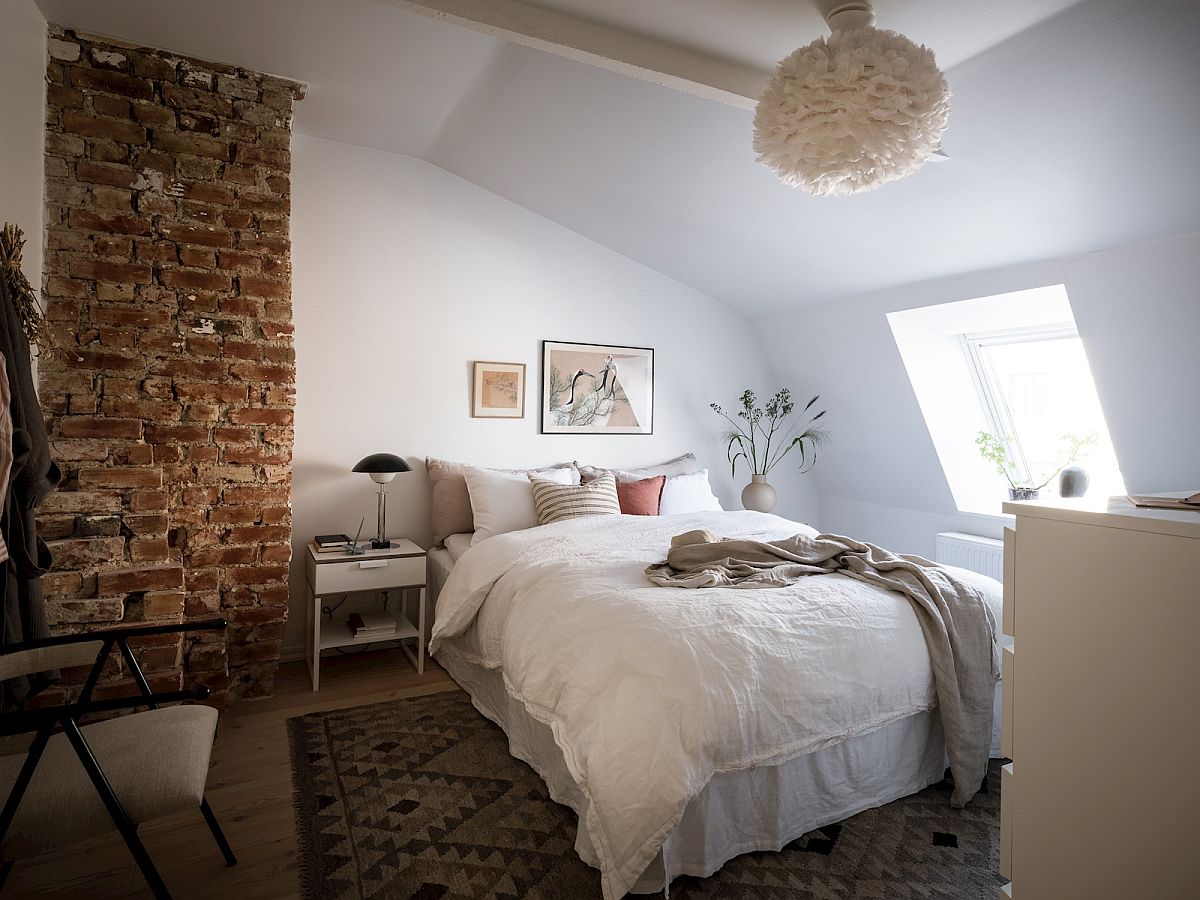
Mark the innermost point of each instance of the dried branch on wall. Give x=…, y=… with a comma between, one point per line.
x=33, y=322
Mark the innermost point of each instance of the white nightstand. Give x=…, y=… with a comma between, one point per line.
x=400, y=567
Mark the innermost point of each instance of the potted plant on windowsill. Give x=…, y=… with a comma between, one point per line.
x=765, y=436
x=1021, y=486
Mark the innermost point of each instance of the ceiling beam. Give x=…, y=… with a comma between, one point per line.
x=601, y=46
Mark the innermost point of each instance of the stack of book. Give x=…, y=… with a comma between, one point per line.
x=377, y=625
x=329, y=543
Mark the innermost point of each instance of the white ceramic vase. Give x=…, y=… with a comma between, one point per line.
x=758, y=495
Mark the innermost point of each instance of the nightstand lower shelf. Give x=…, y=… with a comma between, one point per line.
x=338, y=634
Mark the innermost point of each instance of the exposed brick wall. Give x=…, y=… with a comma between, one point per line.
x=167, y=284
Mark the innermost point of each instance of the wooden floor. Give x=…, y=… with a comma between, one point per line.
x=249, y=788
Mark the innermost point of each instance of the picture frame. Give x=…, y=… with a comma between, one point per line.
x=498, y=390
x=597, y=388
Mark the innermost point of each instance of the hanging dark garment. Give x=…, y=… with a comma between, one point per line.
x=33, y=475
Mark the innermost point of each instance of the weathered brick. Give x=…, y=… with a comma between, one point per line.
x=57, y=286
x=255, y=494
x=84, y=612
x=149, y=549
x=197, y=257
x=141, y=578
x=115, y=107
x=205, y=235
x=240, y=261
x=146, y=524
x=256, y=574
x=150, y=65
x=194, y=280
x=111, y=129
x=188, y=143
x=58, y=584
x=119, y=477
x=277, y=553
x=100, y=427
x=112, y=245
x=134, y=316
x=64, y=144
x=222, y=392
x=263, y=287
x=257, y=534
x=99, y=526
x=103, y=270
x=174, y=434
x=257, y=456
x=224, y=556
x=104, y=361
x=108, y=222
x=240, y=306
x=112, y=83
x=80, y=553
x=264, y=416
x=260, y=372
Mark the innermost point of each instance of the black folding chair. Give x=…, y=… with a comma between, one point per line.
x=78, y=782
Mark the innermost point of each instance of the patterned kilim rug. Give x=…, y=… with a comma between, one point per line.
x=420, y=799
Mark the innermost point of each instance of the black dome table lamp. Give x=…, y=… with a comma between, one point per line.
x=382, y=467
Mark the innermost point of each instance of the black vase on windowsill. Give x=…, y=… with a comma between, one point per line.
x=1016, y=493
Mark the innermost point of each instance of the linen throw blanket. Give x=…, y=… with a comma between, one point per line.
x=958, y=626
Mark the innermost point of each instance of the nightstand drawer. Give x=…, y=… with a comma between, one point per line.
x=368, y=574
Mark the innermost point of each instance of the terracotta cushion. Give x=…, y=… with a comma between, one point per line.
x=641, y=498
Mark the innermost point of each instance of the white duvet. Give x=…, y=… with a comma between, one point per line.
x=649, y=691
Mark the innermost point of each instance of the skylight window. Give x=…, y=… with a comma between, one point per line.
x=1012, y=366
x=1036, y=391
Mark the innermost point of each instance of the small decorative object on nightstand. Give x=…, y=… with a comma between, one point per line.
x=382, y=467
x=399, y=568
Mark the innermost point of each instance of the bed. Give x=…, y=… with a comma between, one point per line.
x=687, y=727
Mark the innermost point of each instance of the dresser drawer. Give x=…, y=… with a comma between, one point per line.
x=1007, y=803
x=368, y=574
x=1008, y=661
x=1009, y=623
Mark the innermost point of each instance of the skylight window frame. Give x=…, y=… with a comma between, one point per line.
x=987, y=384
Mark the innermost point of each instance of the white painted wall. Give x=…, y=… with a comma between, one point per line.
x=1138, y=312
x=23, y=104
x=404, y=274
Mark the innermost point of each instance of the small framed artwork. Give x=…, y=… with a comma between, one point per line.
x=498, y=390
x=597, y=389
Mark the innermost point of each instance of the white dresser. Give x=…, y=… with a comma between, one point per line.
x=1101, y=703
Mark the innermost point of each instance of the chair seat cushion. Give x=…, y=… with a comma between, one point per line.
x=156, y=762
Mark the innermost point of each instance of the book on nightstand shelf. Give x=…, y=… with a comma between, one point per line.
x=327, y=543
x=372, y=624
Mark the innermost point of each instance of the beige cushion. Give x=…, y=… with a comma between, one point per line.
x=680, y=465
x=451, y=511
x=556, y=502
x=156, y=762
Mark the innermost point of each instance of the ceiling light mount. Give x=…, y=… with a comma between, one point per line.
x=851, y=15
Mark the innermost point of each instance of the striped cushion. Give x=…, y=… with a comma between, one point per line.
x=556, y=502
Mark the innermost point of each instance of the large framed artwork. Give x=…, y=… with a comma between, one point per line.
x=597, y=389
x=498, y=390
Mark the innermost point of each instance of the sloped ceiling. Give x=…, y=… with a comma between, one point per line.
x=1074, y=128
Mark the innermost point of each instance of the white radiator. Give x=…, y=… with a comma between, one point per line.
x=970, y=551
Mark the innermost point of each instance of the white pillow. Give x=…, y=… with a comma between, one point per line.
x=503, y=501
x=687, y=493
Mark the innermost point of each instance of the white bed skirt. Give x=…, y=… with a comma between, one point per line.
x=738, y=812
